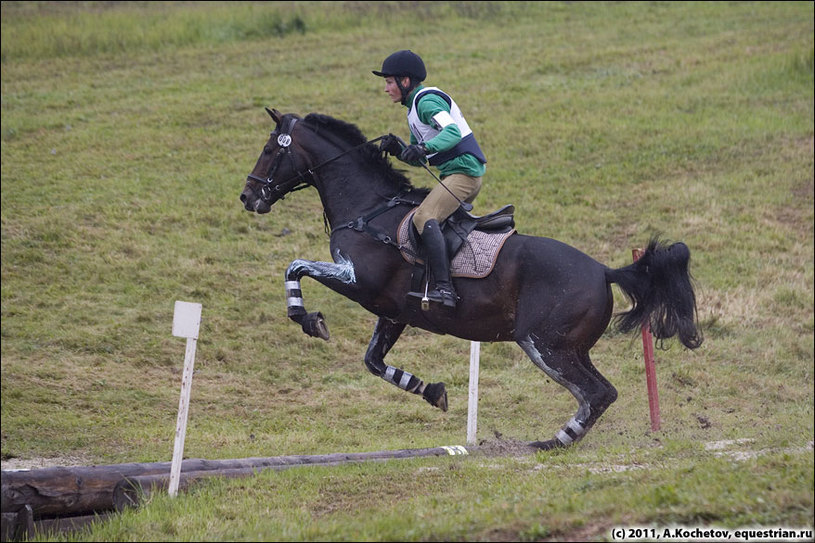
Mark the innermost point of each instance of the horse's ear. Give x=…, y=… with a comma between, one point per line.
x=275, y=115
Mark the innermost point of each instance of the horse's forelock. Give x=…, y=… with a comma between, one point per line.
x=285, y=120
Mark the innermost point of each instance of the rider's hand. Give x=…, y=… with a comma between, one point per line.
x=391, y=145
x=414, y=153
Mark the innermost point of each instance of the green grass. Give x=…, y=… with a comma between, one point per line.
x=364, y=503
x=128, y=129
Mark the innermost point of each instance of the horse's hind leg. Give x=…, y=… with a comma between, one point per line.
x=385, y=335
x=575, y=372
x=611, y=391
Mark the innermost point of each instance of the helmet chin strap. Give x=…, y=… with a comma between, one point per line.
x=404, y=90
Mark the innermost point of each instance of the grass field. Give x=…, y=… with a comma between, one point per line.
x=128, y=129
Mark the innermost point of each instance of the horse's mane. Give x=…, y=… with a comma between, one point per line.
x=353, y=136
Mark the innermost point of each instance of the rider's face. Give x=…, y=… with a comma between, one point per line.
x=393, y=90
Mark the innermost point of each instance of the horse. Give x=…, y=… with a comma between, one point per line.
x=551, y=299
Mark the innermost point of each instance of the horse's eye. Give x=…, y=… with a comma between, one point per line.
x=267, y=150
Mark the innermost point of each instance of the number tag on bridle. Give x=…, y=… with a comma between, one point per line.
x=284, y=140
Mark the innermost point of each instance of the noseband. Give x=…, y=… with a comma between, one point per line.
x=271, y=192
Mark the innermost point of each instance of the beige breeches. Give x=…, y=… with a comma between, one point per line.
x=440, y=204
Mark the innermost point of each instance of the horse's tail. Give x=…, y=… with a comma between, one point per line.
x=660, y=288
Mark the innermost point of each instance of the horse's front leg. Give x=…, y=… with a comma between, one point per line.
x=385, y=335
x=338, y=276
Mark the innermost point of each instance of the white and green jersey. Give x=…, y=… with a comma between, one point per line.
x=436, y=121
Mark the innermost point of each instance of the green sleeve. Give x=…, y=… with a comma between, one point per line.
x=429, y=105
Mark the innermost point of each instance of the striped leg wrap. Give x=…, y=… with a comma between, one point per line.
x=294, y=299
x=403, y=380
x=571, y=432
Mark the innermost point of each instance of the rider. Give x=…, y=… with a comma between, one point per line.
x=440, y=135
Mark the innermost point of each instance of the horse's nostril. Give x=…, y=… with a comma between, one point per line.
x=243, y=198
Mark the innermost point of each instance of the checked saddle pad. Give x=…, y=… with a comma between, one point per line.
x=476, y=257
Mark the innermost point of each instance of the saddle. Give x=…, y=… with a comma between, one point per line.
x=458, y=226
x=473, y=242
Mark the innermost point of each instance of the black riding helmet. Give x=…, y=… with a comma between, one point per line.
x=404, y=63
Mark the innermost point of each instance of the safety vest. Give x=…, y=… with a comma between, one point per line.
x=425, y=132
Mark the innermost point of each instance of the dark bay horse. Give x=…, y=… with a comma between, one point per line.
x=551, y=299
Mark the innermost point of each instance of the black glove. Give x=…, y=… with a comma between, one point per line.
x=391, y=145
x=414, y=153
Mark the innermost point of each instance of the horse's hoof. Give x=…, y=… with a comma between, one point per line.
x=436, y=395
x=315, y=326
x=548, y=445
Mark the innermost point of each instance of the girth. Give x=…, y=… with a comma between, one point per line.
x=362, y=223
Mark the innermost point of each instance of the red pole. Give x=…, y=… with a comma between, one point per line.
x=650, y=370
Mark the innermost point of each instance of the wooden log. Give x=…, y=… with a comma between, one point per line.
x=85, y=490
x=8, y=527
x=18, y=526
x=68, y=490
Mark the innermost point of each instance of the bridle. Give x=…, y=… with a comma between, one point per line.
x=270, y=191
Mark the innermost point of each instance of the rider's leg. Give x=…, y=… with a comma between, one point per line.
x=436, y=251
x=434, y=210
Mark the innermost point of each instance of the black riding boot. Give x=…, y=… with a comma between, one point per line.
x=436, y=253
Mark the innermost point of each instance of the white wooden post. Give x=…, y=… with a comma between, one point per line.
x=472, y=401
x=186, y=323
